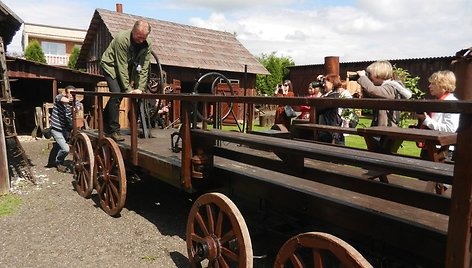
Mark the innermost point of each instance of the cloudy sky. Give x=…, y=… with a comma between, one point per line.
x=305, y=30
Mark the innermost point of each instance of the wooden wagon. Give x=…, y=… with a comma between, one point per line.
x=343, y=215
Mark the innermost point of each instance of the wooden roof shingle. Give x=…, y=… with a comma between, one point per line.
x=181, y=45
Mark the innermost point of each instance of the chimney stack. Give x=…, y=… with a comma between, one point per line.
x=119, y=8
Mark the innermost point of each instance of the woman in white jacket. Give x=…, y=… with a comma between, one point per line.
x=441, y=86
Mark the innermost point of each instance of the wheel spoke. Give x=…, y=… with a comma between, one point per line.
x=219, y=224
x=77, y=156
x=230, y=254
x=99, y=163
x=197, y=238
x=227, y=237
x=317, y=260
x=201, y=223
x=114, y=187
x=111, y=197
x=297, y=263
x=222, y=262
x=211, y=222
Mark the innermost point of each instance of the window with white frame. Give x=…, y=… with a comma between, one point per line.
x=53, y=48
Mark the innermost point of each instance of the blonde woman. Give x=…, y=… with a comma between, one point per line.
x=376, y=82
x=442, y=85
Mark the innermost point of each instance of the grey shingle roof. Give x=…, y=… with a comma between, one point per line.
x=183, y=45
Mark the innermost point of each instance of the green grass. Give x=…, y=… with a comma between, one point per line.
x=408, y=147
x=9, y=204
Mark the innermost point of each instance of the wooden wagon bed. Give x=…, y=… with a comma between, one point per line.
x=319, y=204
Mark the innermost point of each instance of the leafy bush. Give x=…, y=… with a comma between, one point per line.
x=73, y=58
x=34, y=52
x=411, y=83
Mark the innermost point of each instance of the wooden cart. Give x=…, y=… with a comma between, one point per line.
x=354, y=220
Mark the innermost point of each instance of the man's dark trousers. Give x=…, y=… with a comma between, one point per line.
x=112, y=109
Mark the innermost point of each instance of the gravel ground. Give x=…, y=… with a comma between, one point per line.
x=55, y=227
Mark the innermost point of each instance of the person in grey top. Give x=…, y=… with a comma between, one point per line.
x=376, y=82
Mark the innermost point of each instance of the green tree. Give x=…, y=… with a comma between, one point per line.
x=412, y=84
x=277, y=66
x=73, y=58
x=34, y=52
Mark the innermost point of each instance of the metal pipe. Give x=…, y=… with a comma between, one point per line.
x=332, y=65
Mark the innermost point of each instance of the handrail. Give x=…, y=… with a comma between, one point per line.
x=382, y=104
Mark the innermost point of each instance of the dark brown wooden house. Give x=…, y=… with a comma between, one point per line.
x=185, y=52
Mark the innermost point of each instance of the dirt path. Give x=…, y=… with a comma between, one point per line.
x=55, y=227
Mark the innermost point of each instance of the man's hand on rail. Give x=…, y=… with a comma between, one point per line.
x=136, y=91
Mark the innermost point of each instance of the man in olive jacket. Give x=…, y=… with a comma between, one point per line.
x=125, y=65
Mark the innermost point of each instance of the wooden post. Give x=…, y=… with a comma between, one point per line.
x=458, y=238
x=186, y=166
x=133, y=107
x=4, y=175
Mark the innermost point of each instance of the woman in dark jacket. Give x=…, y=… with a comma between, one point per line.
x=329, y=116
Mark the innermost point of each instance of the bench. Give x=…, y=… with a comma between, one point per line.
x=272, y=133
x=308, y=130
x=293, y=154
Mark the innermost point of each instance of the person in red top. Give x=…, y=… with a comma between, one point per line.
x=280, y=117
x=313, y=92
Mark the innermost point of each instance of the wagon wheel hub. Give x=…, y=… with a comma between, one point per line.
x=79, y=166
x=209, y=248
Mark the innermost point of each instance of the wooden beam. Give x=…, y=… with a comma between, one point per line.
x=4, y=175
x=458, y=239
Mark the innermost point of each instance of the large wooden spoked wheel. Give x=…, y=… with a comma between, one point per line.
x=110, y=176
x=217, y=234
x=83, y=165
x=310, y=250
x=216, y=79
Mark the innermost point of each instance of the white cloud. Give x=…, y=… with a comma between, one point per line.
x=300, y=29
x=383, y=29
x=229, y=5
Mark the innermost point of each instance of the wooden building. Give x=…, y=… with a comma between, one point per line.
x=185, y=52
x=33, y=84
x=302, y=75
